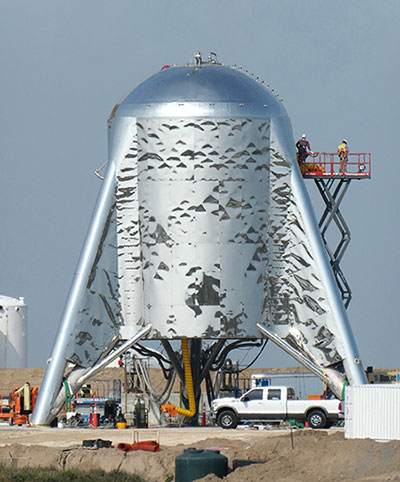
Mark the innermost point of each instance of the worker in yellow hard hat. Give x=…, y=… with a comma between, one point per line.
x=343, y=152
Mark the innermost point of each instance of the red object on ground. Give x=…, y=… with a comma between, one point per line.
x=165, y=67
x=94, y=419
x=306, y=424
x=20, y=420
x=146, y=445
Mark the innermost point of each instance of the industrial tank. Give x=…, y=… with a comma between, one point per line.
x=13, y=320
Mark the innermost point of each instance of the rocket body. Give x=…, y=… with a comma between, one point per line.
x=203, y=229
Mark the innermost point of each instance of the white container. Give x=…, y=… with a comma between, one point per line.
x=372, y=411
x=13, y=331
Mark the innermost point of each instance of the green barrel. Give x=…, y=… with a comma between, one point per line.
x=194, y=464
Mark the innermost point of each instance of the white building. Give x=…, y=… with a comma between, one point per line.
x=13, y=332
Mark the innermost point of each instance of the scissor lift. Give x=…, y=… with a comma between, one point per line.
x=333, y=180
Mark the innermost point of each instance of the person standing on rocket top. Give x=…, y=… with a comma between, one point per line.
x=198, y=59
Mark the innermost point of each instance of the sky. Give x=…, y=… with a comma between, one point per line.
x=65, y=64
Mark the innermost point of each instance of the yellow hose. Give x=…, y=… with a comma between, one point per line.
x=172, y=409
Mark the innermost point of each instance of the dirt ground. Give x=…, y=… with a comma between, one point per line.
x=69, y=437
x=314, y=456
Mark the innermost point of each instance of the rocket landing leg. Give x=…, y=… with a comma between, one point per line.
x=93, y=264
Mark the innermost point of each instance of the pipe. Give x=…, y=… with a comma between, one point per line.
x=331, y=377
x=80, y=375
x=215, y=349
x=174, y=360
x=115, y=354
x=172, y=409
x=290, y=350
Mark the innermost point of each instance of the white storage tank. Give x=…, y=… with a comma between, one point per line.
x=13, y=331
x=372, y=411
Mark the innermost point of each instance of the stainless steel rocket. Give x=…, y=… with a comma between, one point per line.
x=203, y=229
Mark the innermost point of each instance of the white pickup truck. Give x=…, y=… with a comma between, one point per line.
x=274, y=404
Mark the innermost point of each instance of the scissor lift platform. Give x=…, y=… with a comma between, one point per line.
x=333, y=179
x=326, y=165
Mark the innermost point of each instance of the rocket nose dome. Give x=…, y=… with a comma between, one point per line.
x=208, y=83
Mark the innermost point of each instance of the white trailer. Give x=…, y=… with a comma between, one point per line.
x=372, y=411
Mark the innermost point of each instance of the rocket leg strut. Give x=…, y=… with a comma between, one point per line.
x=55, y=370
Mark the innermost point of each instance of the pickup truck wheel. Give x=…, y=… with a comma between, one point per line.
x=227, y=419
x=316, y=419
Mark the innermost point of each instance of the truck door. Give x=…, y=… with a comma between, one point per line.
x=274, y=404
x=252, y=403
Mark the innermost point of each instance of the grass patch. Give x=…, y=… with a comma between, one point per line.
x=8, y=474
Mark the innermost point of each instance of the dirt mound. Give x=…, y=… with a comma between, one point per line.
x=315, y=456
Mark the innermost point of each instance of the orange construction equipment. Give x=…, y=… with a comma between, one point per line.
x=21, y=403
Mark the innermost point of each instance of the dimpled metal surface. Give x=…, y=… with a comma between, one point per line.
x=203, y=228
x=193, y=258
x=212, y=227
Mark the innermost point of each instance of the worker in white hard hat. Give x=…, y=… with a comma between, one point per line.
x=303, y=149
x=343, y=152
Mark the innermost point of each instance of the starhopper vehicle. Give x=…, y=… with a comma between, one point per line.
x=274, y=404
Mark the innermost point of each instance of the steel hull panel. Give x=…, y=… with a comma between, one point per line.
x=201, y=192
